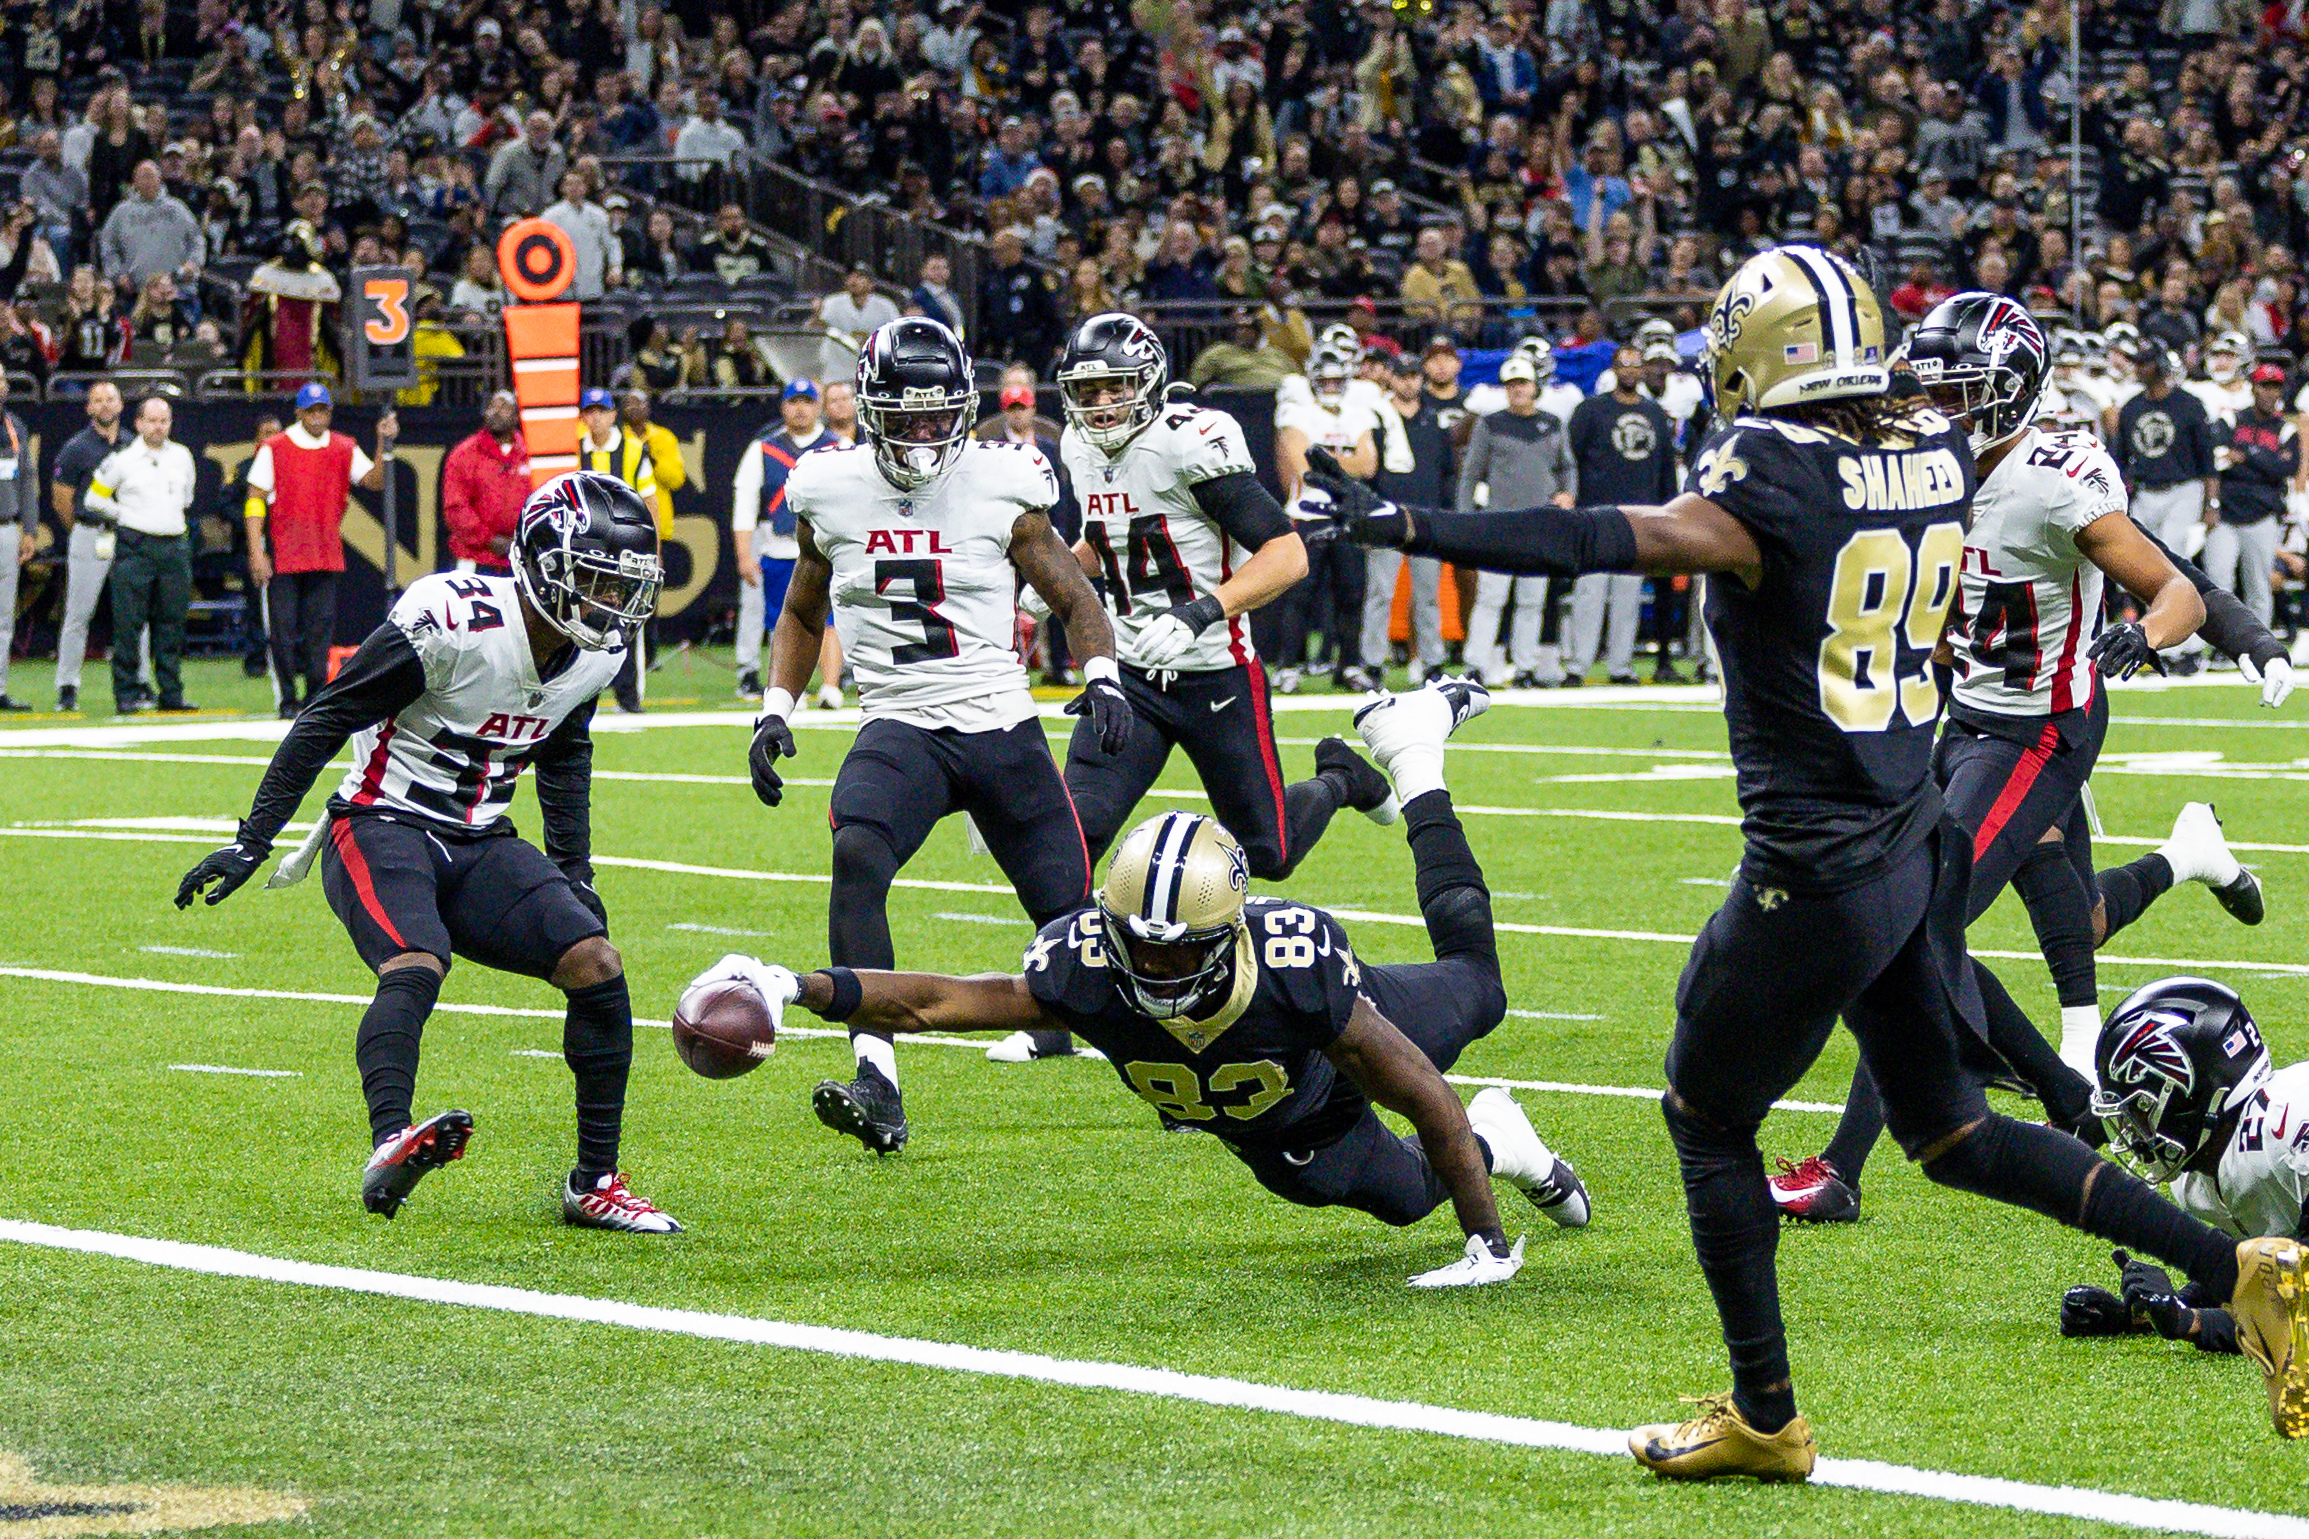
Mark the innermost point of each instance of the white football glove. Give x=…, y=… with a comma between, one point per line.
x=2276, y=680
x=1475, y=1269
x=1030, y=600
x=1163, y=641
x=778, y=986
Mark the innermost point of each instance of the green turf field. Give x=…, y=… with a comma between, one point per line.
x=1038, y=1208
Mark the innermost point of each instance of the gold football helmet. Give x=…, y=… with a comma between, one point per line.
x=1794, y=324
x=1173, y=905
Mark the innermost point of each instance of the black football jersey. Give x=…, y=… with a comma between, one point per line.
x=1829, y=690
x=1254, y=1073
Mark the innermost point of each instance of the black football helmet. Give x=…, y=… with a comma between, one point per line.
x=585, y=556
x=2172, y=1061
x=917, y=398
x=1984, y=363
x=1106, y=351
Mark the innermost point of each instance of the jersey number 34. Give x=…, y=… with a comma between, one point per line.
x=1886, y=594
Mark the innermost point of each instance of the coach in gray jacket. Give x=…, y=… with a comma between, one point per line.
x=1520, y=458
x=19, y=523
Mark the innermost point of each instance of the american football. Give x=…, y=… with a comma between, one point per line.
x=722, y=1029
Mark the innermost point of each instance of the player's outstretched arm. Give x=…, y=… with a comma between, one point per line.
x=1398, y=1076
x=2171, y=610
x=794, y=647
x=1690, y=534
x=923, y=1001
x=380, y=681
x=2232, y=630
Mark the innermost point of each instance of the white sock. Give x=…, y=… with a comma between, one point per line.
x=878, y=1052
x=2080, y=1036
x=1416, y=771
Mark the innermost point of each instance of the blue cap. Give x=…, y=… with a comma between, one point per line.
x=596, y=397
x=315, y=394
x=801, y=390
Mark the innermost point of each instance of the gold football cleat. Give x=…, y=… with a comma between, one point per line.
x=1719, y=1442
x=2271, y=1308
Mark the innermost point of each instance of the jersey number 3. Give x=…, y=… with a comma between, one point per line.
x=1885, y=593
x=928, y=582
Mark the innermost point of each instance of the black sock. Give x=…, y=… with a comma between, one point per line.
x=2062, y=913
x=1736, y=1231
x=2127, y=891
x=1452, y=896
x=1861, y=1126
x=2015, y=1037
x=597, y=1040
x=1307, y=809
x=386, y=1048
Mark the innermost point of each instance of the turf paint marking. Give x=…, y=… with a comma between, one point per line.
x=1159, y=1383
x=1010, y=922
x=535, y=1052
x=188, y=951
x=1552, y=1015
x=218, y=1068
x=715, y=929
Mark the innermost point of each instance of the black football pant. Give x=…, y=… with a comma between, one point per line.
x=1220, y=717
x=301, y=615
x=1441, y=1006
x=2008, y=793
x=1767, y=979
x=399, y=887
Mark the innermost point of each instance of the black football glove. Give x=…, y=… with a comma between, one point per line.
x=2149, y=1294
x=1108, y=708
x=227, y=869
x=2124, y=650
x=581, y=882
x=2089, y=1311
x=773, y=740
x=1365, y=516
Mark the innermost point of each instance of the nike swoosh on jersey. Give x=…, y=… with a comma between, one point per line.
x=1220, y=705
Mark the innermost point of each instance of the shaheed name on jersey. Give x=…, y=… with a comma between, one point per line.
x=1155, y=545
x=1830, y=698
x=2031, y=601
x=924, y=592
x=1253, y=1073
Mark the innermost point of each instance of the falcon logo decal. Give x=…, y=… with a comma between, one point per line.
x=2151, y=1052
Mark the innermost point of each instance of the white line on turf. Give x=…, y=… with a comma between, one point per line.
x=535, y=1052
x=218, y=1068
x=1161, y=1383
x=715, y=929
x=187, y=951
x=1553, y=1015
x=1011, y=921
x=157, y=985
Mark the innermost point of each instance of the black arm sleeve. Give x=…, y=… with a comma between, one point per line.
x=1543, y=541
x=1247, y=511
x=565, y=793
x=378, y=682
x=2230, y=628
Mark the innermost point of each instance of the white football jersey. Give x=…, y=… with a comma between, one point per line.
x=2031, y=602
x=2222, y=402
x=1152, y=539
x=2072, y=405
x=2263, y=1176
x=454, y=754
x=924, y=595
x=1337, y=429
x=1555, y=396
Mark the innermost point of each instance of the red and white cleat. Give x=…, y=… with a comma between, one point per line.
x=610, y=1204
x=400, y=1162
x=1811, y=1190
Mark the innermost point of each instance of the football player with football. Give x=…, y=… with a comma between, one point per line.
x=470, y=680
x=1185, y=543
x=2186, y=1088
x=1835, y=511
x=913, y=542
x=1252, y=1019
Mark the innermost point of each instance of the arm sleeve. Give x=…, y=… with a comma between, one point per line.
x=2230, y=628
x=1542, y=541
x=102, y=483
x=1244, y=508
x=378, y=682
x=565, y=791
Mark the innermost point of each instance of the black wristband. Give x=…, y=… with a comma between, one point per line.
x=847, y=993
x=254, y=840
x=1200, y=614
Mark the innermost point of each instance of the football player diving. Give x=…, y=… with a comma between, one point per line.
x=1835, y=512
x=2186, y=1087
x=1252, y=1019
x=471, y=679
x=1184, y=543
x=913, y=543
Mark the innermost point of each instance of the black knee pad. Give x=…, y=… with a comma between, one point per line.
x=863, y=858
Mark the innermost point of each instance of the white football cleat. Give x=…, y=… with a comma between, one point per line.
x=2199, y=852
x=1406, y=732
x=1476, y=1269
x=1520, y=1159
x=611, y=1204
x=1030, y=1046
x=830, y=697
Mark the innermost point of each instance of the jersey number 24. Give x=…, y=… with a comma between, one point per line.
x=1885, y=593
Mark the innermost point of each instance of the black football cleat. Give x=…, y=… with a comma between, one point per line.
x=868, y=1108
x=1360, y=784
x=2242, y=898
x=401, y=1161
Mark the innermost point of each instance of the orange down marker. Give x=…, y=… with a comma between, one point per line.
x=537, y=262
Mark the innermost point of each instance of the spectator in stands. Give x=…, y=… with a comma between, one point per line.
x=484, y=482
x=735, y=360
x=1242, y=358
x=708, y=146
x=600, y=261
x=115, y=151
x=58, y=192
x=933, y=296
x=1017, y=311
x=524, y=172
x=838, y=409
x=850, y=315
x=657, y=257
x=151, y=232
x=1008, y=161
x=19, y=526
x=162, y=318
x=479, y=293
x=1438, y=289
x=733, y=252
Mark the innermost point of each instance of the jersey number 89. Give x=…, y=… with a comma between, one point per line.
x=1883, y=593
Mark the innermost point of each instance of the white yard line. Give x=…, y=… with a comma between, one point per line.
x=715, y=929
x=1013, y=922
x=218, y=1068
x=188, y=951
x=1125, y=1378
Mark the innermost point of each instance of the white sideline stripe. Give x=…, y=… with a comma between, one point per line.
x=677, y=868
x=534, y=1052
x=218, y=1068
x=188, y=951
x=982, y=919
x=715, y=929
x=1160, y=1383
